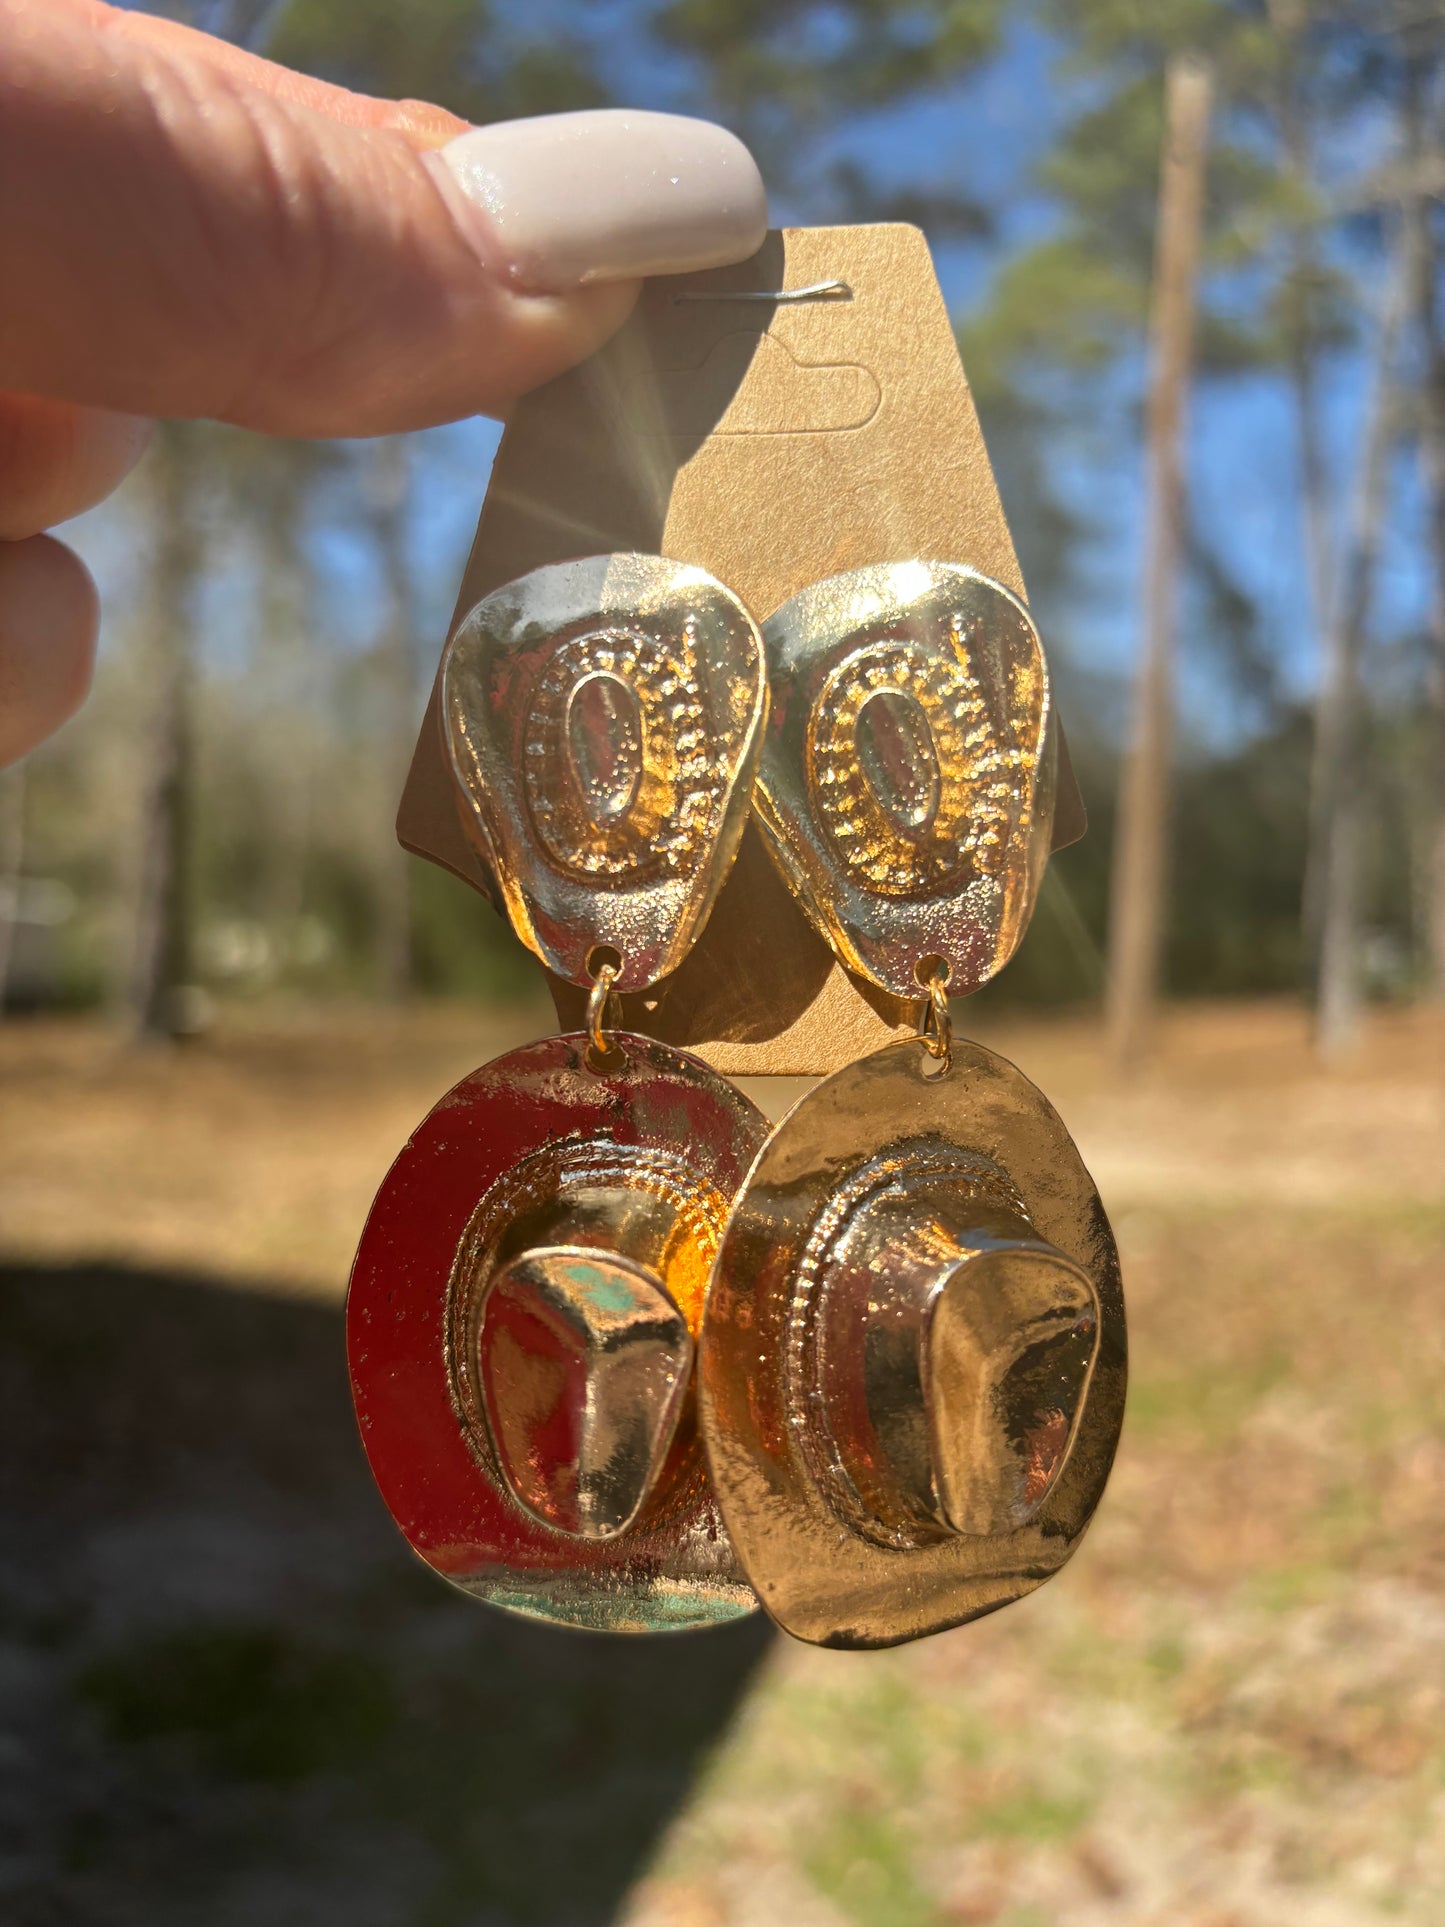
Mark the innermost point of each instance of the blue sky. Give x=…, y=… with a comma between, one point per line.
x=988, y=133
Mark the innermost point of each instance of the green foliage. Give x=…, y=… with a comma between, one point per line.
x=1237, y=854
x=302, y=746
x=1032, y=1815
x=1080, y=296
x=461, y=946
x=462, y=54
x=790, y=74
x=864, y=1864
x=827, y=56
x=1142, y=34
x=1061, y=303
x=1056, y=359
x=465, y=55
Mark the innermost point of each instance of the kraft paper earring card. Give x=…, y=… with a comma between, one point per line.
x=797, y=417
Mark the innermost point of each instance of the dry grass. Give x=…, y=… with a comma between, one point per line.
x=1228, y=1712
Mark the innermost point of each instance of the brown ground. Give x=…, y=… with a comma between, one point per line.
x=229, y=1696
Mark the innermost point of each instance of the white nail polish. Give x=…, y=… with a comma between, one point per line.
x=607, y=195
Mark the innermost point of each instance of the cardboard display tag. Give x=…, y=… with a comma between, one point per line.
x=773, y=443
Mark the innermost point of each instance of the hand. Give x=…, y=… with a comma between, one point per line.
x=188, y=230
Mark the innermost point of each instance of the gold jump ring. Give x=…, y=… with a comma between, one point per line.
x=936, y=1026
x=598, y=999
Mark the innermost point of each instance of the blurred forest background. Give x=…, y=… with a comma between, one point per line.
x=218, y=820
x=1193, y=252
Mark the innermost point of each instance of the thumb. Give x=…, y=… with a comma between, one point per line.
x=189, y=232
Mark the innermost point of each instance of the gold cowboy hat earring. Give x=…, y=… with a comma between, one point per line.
x=529, y=1285
x=912, y=1362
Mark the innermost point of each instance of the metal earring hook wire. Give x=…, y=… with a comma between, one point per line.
x=815, y=291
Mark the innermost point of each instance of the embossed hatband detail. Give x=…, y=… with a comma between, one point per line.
x=603, y=720
x=911, y=1374
x=907, y=776
x=546, y=1459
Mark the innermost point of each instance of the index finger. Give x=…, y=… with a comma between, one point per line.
x=188, y=242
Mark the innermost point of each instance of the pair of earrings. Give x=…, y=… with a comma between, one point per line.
x=623, y=1357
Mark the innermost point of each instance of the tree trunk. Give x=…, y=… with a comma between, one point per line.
x=1338, y=769
x=290, y=669
x=389, y=486
x=1425, y=249
x=1140, y=838
x=1288, y=19
x=160, y=999
x=12, y=855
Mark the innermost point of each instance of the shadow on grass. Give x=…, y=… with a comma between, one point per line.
x=228, y=1694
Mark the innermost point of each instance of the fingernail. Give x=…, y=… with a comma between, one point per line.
x=608, y=195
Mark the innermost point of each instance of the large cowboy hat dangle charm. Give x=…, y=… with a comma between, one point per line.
x=529, y=1286
x=913, y=1356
